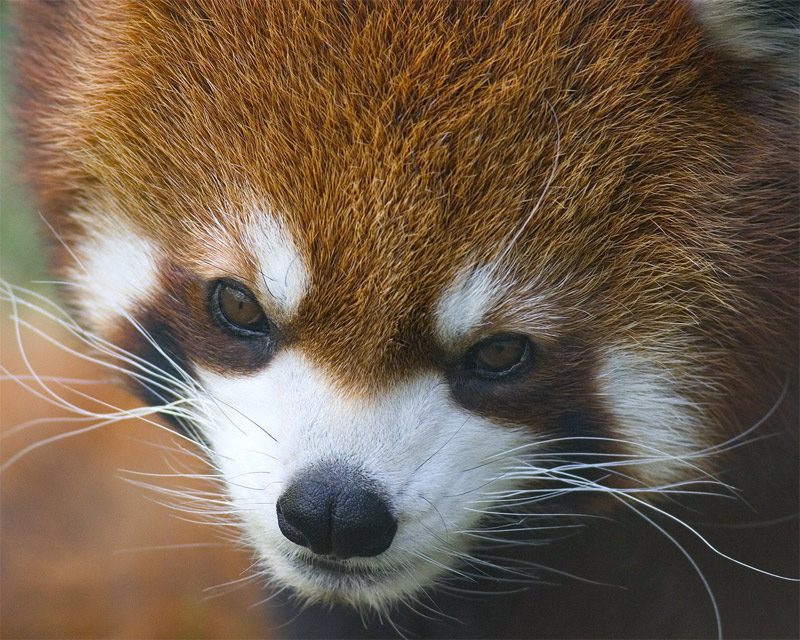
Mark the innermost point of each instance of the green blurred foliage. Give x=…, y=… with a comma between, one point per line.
x=22, y=254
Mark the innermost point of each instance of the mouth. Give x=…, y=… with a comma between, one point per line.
x=334, y=565
x=366, y=584
x=334, y=568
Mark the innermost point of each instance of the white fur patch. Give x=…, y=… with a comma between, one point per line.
x=116, y=272
x=284, y=275
x=437, y=463
x=659, y=426
x=463, y=305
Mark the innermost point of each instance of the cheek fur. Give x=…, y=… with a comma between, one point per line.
x=115, y=270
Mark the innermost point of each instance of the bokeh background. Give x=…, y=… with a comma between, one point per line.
x=84, y=552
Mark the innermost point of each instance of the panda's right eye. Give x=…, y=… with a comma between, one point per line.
x=236, y=311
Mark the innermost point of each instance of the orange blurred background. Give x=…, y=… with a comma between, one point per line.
x=83, y=553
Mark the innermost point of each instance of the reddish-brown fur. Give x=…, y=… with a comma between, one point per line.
x=403, y=141
x=362, y=129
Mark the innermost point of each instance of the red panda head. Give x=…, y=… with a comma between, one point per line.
x=410, y=270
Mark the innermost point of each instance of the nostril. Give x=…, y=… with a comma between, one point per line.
x=335, y=511
x=304, y=515
x=288, y=530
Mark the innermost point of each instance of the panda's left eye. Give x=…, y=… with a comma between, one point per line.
x=499, y=355
x=236, y=311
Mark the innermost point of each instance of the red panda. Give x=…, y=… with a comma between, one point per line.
x=459, y=298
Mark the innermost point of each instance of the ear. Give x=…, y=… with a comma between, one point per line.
x=762, y=36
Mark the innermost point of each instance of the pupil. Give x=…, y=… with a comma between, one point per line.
x=496, y=358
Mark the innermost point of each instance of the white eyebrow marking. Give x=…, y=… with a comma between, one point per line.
x=284, y=276
x=464, y=303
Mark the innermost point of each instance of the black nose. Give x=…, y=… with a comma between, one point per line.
x=335, y=511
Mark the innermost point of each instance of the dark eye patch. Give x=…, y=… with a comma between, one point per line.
x=181, y=325
x=552, y=392
x=159, y=381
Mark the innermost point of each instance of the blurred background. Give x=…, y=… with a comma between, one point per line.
x=85, y=552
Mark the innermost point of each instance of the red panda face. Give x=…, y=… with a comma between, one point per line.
x=415, y=273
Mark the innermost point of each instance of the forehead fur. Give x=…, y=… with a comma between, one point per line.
x=404, y=142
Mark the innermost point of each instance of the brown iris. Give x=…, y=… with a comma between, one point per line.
x=499, y=355
x=238, y=311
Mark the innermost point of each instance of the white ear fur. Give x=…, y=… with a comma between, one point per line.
x=763, y=33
